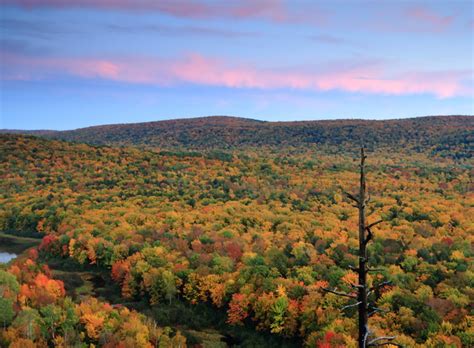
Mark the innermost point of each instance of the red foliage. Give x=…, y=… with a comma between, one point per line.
x=37, y=288
x=48, y=243
x=331, y=340
x=120, y=270
x=448, y=241
x=233, y=250
x=238, y=309
x=33, y=254
x=196, y=246
x=46, y=270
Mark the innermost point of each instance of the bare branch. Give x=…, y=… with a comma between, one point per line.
x=376, y=310
x=374, y=223
x=370, y=235
x=368, y=199
x=382, y=338
x=375, y=269
x=357, y=286
x=378, y=287
x=354, y=269
x=388, y=338
x=339, y=293
x=381, y=285
x=361, y=291
x=366, y=336
x=350, y=196
x=370, y=211
x=351, y=305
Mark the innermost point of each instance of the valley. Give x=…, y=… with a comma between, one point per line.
x=234, y=247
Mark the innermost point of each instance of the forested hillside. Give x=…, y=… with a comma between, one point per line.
x=256, y=234
x=440, y=135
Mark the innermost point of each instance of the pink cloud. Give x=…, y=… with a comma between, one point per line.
x=176, y=8
x=328, y=39
x=365, y=78
x=412, y=19
x=272, y=10
x=370, y=77
x=430, y=17
x=184, y=31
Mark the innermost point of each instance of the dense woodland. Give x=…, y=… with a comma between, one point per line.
x=256, y=233
x=440, y=135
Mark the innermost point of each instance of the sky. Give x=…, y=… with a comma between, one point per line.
x=66, y=64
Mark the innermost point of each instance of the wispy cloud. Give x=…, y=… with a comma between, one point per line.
x=429, y=17
x=21, y=47
x=272, y=10
x=30, y=28
x=368, y=77
x=412, y=19
x=186, y=31
x=328, y=39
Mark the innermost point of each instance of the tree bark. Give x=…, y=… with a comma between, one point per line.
x=362, y=290
x=365, y=236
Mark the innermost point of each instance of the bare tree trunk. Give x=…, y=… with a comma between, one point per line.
x=362, y=298
x=362, y=293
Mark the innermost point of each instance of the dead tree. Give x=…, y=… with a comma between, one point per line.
x=365, y=308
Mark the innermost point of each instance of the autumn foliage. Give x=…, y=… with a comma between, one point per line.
x=42, y=316
x=255, y=233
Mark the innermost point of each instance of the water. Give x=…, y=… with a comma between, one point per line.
x=6, y=257
x=13, y=246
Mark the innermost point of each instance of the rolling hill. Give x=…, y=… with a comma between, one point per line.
x=227, y=248
x=451, y=136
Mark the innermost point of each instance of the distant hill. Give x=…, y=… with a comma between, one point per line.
x=451, y=136
x=38, y=132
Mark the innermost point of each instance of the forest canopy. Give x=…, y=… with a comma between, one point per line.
x=256, y=233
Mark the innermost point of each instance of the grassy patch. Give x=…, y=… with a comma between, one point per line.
x=205, y=325
x=16, y=245
x=85, y=280
x=202, y=324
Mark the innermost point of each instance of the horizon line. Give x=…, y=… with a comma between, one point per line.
x=5, y=130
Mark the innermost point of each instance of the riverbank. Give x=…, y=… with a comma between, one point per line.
x=201, y=324
x=12, y=246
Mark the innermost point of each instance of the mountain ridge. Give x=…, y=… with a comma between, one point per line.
x=420, y=134
x=229, y=117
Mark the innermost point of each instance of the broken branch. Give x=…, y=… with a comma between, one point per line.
x=374, y=223
x=351, y=305
x=381, y=285
x=339, y=293
x=350, y=196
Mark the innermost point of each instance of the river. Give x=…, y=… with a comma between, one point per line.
x=83, y=281
x=12, y=246
x=6, y=257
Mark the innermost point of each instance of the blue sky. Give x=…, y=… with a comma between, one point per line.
x=76, y=63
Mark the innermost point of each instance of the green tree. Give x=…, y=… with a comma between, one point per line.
x=169, y=285
x=6, y=311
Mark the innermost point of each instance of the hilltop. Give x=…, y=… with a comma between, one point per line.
x=445, y=135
